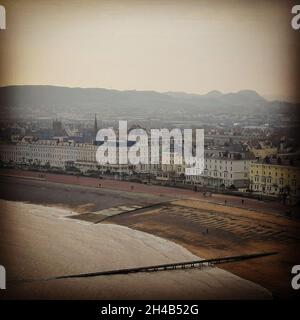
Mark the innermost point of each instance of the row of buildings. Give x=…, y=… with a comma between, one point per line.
x=227, y=167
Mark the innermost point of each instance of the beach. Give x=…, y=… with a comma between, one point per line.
x=38, y=242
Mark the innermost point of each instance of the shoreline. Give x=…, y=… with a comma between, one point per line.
x=41, y=258
x=232, y=230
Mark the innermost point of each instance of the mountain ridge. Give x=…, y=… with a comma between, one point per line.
x=50, y=99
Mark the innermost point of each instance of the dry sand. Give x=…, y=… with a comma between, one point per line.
x=37, y=242
x=210, y=230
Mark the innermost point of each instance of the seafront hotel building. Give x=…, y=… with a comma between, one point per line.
x=275, y=179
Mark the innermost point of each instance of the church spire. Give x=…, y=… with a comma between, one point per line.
x=95, y=125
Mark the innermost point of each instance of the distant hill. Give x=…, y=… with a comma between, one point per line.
x=53, y=100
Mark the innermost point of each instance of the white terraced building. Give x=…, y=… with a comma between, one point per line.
x=55, y=154
x=224, y=170
x=221, y=170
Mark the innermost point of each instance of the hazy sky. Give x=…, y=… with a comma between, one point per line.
x=192, y=46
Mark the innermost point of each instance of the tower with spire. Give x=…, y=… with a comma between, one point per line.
x=95, y=126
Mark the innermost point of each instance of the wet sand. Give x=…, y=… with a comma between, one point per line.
x=79, y=198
